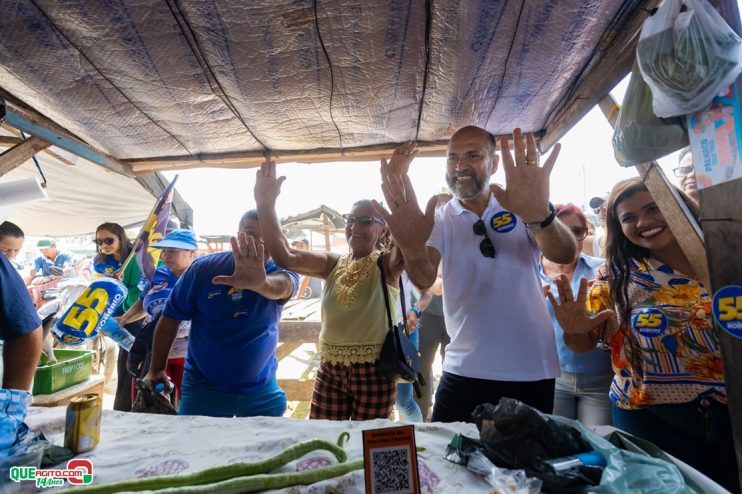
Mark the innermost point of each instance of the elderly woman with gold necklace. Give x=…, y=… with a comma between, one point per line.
x=349, y=382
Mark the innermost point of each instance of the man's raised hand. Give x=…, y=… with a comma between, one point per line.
x=527, y=184
x=249, y=264
x=410, y=227
x=402, y=156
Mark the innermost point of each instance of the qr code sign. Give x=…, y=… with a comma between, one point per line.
x=392, y=471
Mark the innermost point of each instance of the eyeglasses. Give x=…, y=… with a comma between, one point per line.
x=599, y=209
x=107, y=241
x=485, y=246
x=351, y=219
x=579, y=232
x=681, y=171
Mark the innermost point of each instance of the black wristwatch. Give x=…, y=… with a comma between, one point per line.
x=540, y=225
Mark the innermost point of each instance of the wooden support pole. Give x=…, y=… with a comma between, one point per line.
x=20, y=153
x=9, y=141
x=682, y=224
x=721, y=217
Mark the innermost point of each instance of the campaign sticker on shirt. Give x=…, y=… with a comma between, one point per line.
x=727, y=309
x=235, y=293
x=649, y=322
x=503, y=222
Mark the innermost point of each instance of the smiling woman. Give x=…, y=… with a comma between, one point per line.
x=655, y=316
x=349, y=383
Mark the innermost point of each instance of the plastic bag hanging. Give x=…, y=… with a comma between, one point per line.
x=687, y=56
x=640, y=135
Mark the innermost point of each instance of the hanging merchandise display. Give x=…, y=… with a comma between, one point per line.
x=640, y=135
x=687, y=55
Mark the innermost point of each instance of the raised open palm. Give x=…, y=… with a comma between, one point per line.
x=527, y=184
x=572, y=313
x=267, y=185
x=249, y=264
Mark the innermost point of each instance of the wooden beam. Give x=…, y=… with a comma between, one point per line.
x=34, y=123
x=253, y=159
x=283, y=350
x=297, y=390
x=679, y=218
x=8, y=141
x=599, y=76
x=299, y=331
x=20, y=153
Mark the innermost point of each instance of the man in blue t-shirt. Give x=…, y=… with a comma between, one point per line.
x=21, y=335
x=234, y=302
x=52, y=256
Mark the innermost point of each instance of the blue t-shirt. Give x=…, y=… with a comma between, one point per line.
x=42, y=263
x=596, y=361
x=17, y=312
x=107, y=265
x=234, y=333
x=155, y=294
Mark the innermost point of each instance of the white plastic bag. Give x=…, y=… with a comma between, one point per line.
x=687, y=57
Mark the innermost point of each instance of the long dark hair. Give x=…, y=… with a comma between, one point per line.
x=125, y=244
x=620, y=250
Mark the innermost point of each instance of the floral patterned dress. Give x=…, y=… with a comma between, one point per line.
x=668, y=352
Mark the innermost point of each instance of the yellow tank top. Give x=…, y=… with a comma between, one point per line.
x=354, y=320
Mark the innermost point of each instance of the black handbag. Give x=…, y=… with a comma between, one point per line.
x=399, y=359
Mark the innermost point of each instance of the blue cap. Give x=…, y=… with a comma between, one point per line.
x=178, y=239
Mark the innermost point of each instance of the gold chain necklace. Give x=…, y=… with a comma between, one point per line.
x=353, y=274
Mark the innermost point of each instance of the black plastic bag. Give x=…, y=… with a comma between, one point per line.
x=517, y=436
x=137, y=363
x=150, y=401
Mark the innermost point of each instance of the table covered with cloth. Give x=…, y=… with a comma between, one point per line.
x=134, y=445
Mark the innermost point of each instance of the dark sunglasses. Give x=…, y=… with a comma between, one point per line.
x=579, y=232
x=681, y=171
x=107, y=241
x=351, y=219
x=599, y=209
x=485, y=246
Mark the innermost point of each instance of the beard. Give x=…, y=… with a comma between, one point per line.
x=468, y=190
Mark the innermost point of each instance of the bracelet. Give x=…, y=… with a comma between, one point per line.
x=416, y=310
x=540, y=225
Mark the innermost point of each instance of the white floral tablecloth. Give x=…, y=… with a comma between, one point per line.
x=143, y=445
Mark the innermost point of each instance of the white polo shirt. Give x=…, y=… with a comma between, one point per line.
x=494, y=309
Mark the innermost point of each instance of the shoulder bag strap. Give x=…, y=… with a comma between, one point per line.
x=385, y=291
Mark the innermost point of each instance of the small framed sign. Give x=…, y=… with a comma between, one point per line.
x=390, y=460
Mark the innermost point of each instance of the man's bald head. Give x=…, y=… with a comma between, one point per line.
x=472, y=130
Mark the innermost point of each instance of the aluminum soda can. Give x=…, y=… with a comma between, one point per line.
x=82, y=426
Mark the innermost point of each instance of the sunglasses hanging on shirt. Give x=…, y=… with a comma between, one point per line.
x=486, y=247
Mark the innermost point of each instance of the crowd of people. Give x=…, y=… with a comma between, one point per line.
x=597, y=316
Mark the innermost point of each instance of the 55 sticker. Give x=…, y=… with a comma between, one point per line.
x=727, y=309
x=503, y=222
x=649, y=322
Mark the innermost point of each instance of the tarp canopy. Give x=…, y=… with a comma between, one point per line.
x=79, y=199
x=82, y=195
x=184, y=83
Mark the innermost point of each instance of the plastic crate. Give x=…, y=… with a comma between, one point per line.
x=72, y=367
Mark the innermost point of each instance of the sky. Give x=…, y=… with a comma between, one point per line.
x=585, y=168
